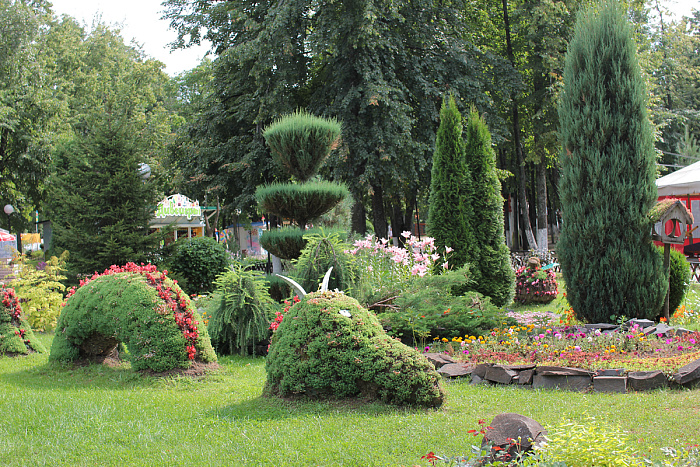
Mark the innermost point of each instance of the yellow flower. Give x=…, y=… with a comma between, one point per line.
x=444, y=339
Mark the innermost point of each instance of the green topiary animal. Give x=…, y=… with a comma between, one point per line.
x=137, y=306
x=328, y=345
x=16, y=336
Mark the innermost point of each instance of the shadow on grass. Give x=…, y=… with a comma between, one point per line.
x=266, y=408
x=55, y=376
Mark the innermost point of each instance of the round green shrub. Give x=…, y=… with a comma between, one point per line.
x=679, y=280
x=198, y=261
x=136, y=306
x=278, y=288
x=300, y=142
x=328, y=345
x=16, y=335
x=240, y=311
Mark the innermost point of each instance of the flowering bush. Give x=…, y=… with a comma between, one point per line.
x=534, y=284
x=135, y=305
x=16, y=336
x=387, y=269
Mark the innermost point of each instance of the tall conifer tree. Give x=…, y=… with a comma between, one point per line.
x=495, y=277
x=608, y=168
x=450, y=189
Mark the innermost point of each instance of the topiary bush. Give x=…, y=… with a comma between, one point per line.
x=278, y=288
x=16, y=335
x=679, y=280
x=325, y=249
x=328, y=345
x=285, y=243
x=137, y=306
x=198, y=261
x=241, y=311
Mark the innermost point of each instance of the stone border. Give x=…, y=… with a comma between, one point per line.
x=572, y=379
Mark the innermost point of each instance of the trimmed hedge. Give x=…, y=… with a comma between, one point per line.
x=328, y=345
x=16, y=335
x=137, y=306
x=285, y=243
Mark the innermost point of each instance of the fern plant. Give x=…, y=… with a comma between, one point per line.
x=241, y=310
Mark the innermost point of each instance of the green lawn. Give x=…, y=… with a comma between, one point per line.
x=95, y=416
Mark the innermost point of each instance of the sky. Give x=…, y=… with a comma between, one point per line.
x=140, y=20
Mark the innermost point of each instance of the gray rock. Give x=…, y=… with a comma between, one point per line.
x=662, y=329
x=646, y=380
x=610, y=372
x=514, y=433
x=438, y=359
x=601, y=326
x=562, y=371
x=476, y=379
x=500, y=374
x=689, y=374
x=610, y=384
x=525, y=377
x=572, y=383
x=454, y=370
x=480, y=369
x=642, y=323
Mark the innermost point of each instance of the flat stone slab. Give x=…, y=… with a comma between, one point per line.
x=571, y=383
x=646, y=380
x=438, y=359
x=601, y=326
x=689, y=373
x=480, y=369
x=500, y=374
x=454, y=370
x=611, y=372
x=562, y=371
x=525, y=377
x=610, y=384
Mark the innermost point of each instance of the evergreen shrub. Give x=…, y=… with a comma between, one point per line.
x=278, y=288
x=429, y=309
x=300, y=142
x=301, y=202
x=240, y=311
x=137, y=306
x=328, y=345
x=609, y=263
x=16, y=335
x=196, y=262
x=285, y=242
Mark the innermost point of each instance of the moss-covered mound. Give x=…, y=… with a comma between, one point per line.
x=16, y=336
x=329, y=346
x=137, y=306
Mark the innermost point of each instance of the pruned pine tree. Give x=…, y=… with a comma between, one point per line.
x=608, y=168
x=494, y=274
x=450, y=190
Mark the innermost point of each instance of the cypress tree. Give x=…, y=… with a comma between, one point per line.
x=495, y=277
x=450, y=189
x=608, y=168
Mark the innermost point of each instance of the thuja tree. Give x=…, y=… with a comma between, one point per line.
x=450, y=189
x=607, y=186
x=491, y=270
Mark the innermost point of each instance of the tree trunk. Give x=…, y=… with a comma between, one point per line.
x=359, y=217
x=542, y=232
x=378, y=214
x=524, y=208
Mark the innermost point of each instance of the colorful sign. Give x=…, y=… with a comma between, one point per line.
x=178, y=206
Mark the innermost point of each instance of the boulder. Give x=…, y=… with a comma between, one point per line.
x=500, y=374
x=513, y=433
x=610, y=384
x=438, y=359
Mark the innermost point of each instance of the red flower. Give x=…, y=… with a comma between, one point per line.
x=430, y=457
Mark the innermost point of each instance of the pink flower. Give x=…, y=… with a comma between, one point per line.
x=691, y=340
x=448, y=249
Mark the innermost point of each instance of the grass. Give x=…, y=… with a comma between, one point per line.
x=86, y=416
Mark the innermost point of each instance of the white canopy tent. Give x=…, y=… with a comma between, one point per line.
x=683, y=182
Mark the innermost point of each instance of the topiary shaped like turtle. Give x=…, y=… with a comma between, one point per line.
x=16, y=336
x=138, y=306
x=328, y=345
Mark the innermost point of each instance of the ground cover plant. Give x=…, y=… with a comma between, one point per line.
x=134, y=305
x=114, y=416
x=16, y=335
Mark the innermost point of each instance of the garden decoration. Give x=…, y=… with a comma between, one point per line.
x=328, y=345
x=138, y=306
x=535, y=283
x=670, y=218
x=16, y=336
x=299, y=143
